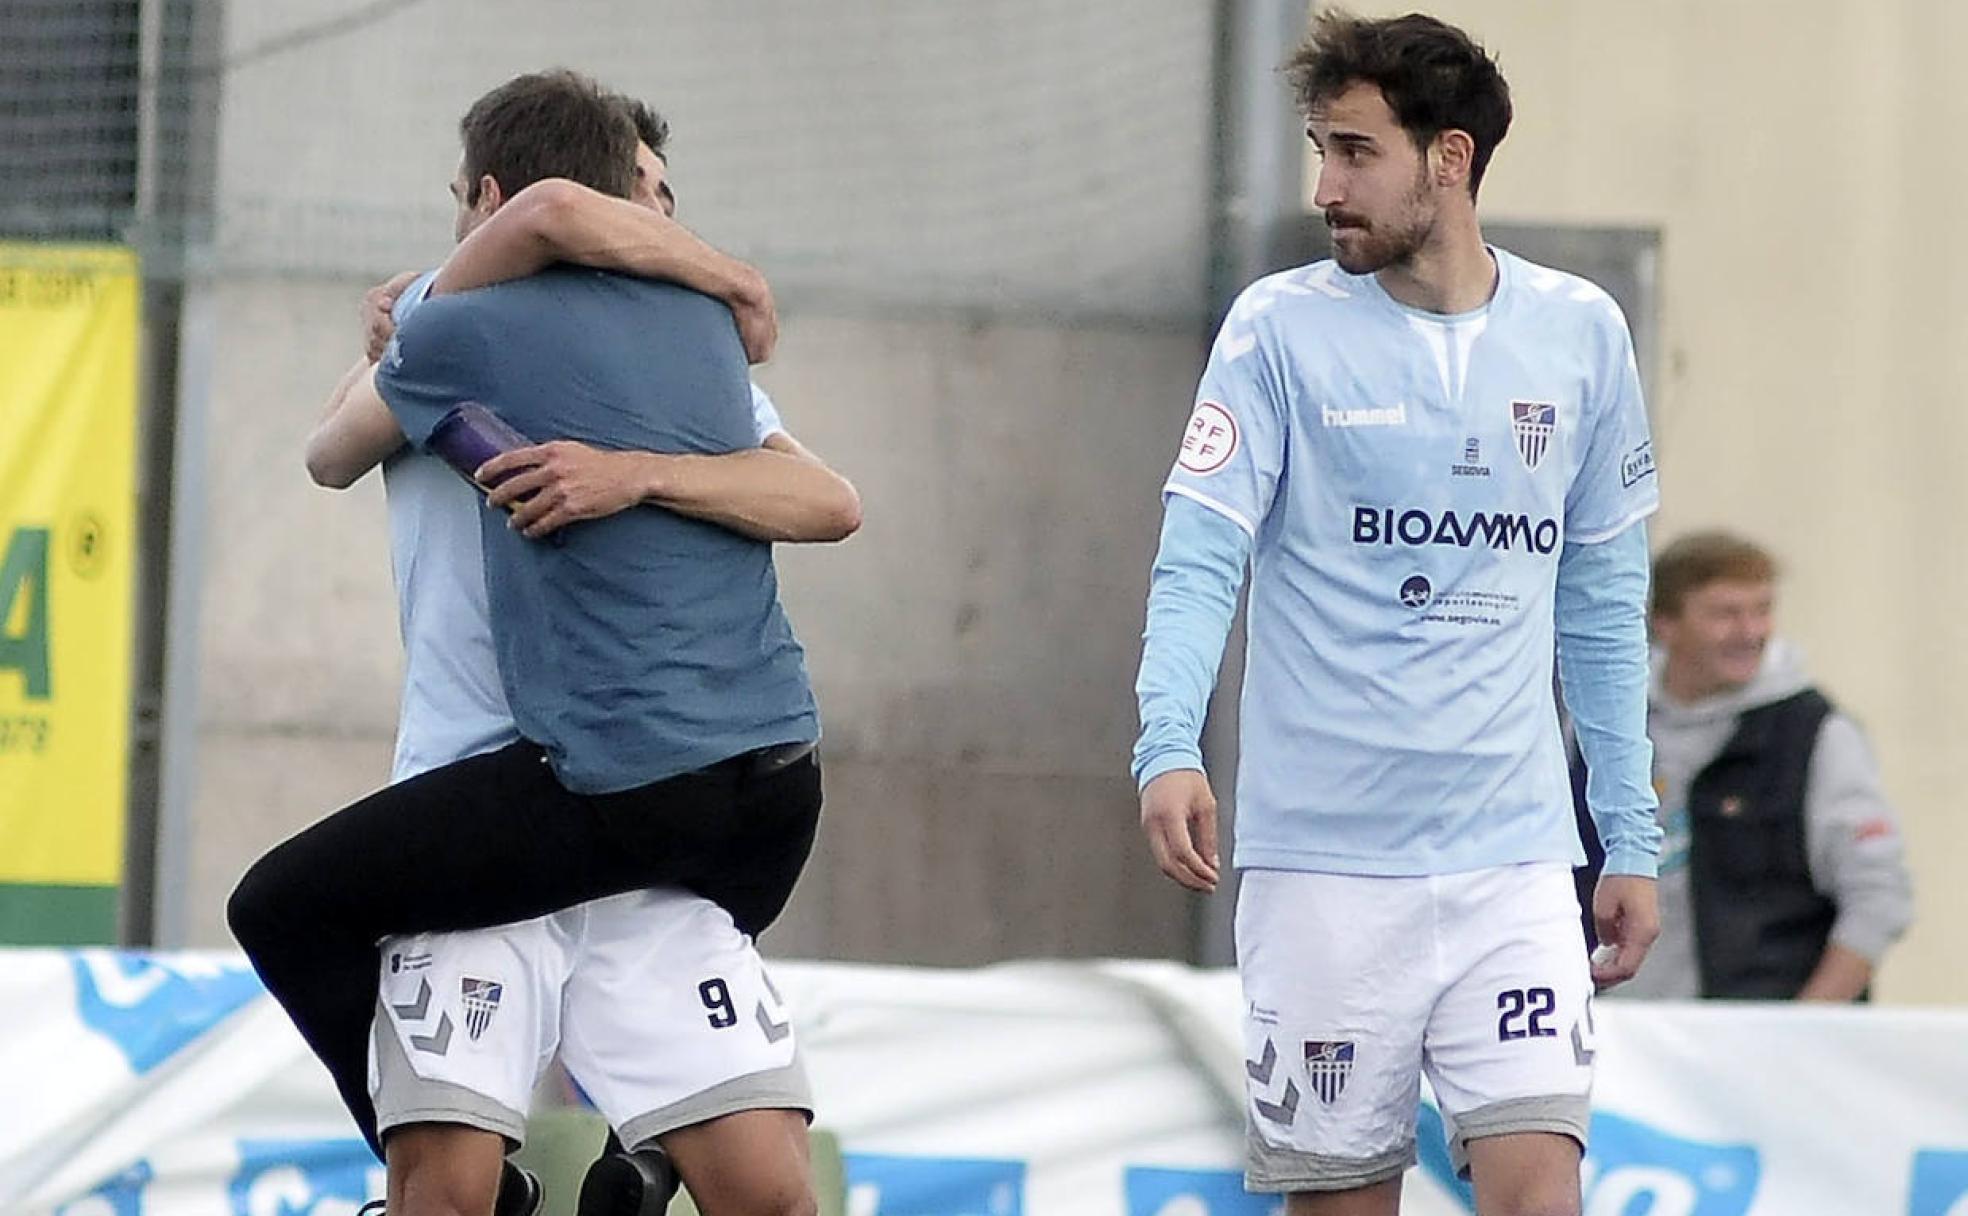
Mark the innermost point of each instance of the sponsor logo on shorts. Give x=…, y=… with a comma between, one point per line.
x=1533, y=423
x=409, y=960
x=481, y=1002
x=1328, y=1065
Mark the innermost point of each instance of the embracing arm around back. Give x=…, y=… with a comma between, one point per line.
x=356, y=431
x=776, y=492
x=562, y=221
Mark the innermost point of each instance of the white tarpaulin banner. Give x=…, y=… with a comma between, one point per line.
x=170, y=1085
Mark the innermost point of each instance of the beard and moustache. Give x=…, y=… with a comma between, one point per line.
x=1370, y=247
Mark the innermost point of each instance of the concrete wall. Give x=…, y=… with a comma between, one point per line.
x=1795, y=158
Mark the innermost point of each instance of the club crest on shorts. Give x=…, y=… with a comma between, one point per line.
x=1328, y=1065
x=481, y=1002
x=1533, y=423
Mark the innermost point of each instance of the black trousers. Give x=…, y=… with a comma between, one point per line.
x=496, y=839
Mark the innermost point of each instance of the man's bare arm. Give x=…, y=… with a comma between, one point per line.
x=557, y=220
x=779, y=492
x=355, y=433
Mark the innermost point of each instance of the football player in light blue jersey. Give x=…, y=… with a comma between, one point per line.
x=590, y=977
x=1435, y=458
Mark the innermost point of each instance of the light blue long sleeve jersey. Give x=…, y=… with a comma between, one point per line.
x=1432, y=508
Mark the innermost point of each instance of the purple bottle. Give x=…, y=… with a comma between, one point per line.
x=469, y=435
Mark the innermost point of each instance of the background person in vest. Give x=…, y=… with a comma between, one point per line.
x=1781, y=873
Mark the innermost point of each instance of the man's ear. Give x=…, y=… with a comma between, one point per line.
x=1450, y=158
x=490, y=197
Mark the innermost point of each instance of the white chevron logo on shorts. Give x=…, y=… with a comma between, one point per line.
x=1260, y=1071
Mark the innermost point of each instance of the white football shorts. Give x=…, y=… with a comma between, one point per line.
x=1354, y=986
x=659, y=1006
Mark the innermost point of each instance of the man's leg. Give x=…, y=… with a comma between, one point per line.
x=1339, y=972
x=464, y=1024
x=1509, y=1046
x=1380, y=1199
x=774, y=818
x=672, y=1027
x=753, y=1163
x=1525, y=1174
x=443, y=1169
x=486, y=841
x=427, y=853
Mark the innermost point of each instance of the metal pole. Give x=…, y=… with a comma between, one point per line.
x=176, y=172
x=137, y=904
x=1258, y=196
x=150, y=58
x=178, y=735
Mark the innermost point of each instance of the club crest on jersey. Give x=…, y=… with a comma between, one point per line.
x=481, y=1002
x=1328, y=1065
x=1533, y=423
x=1209, y=441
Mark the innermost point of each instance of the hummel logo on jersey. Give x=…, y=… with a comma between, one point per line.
x=1533, y=423
x=1396, y=415
x=1497, y=530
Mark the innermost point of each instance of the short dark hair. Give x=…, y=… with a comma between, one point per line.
x=1700, y=558
x=548, y=124
x=651, y=127
x=1435, y=77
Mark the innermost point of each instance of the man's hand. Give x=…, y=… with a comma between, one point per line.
x=1178, y=815
x=551, y=485
x=1842, y=974
x=377, y=324
x=1627, y=916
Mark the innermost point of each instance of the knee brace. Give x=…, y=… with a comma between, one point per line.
x=629, y=1184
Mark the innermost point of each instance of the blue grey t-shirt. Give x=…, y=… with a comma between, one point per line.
x=645, y=644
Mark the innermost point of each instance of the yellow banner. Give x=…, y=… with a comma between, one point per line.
x=68, y=421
